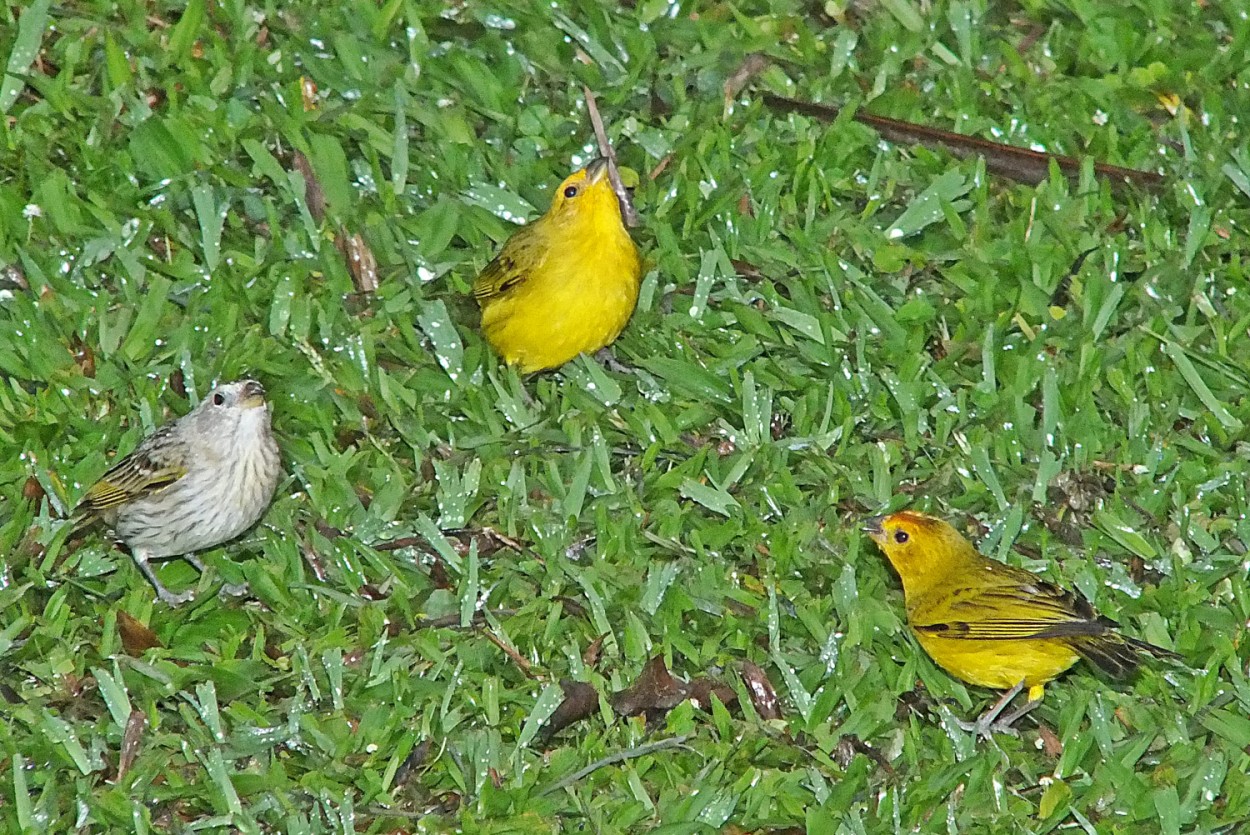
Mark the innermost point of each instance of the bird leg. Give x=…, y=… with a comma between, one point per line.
x=169, y=598
x=229, y=589
x=1023, y=709
x=987, y=723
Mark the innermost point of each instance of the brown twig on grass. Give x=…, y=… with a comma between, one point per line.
x=520, y=660
x=362, y=264
x=628, y=213
x=1022, y=164
x=492, y=536
x=453, y=621
x=659, y=167
x=132, y=737
x=487, y=533
x=418, y=542
x=613, y=759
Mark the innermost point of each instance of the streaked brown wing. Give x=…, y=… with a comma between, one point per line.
x=151, y=467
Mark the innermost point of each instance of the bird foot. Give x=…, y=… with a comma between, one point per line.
x=983, y=729
x=609, y=361
x=227, y=589
x=990, y=723
x=171, y=599
x=235, y=589
x=1023, y=709
x=167, y=597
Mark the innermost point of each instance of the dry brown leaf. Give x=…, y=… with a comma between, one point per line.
x=136, y=637
x=361, y=262
x=131, y=738
x=439, y=576
x=581, y=700
x=313, y=559
x=703, y=689
x=412, y=762
x=654, y=692
x=744, y=206
x=590, y=656
x=314, y=196
x=32, y=490
x=850, y=745
x=369, y=591
x=753, y=65
x=84, y=356
x=763, y=694
x=1051, y=744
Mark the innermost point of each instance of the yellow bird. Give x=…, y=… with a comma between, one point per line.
x=991, y=624
x=567, y=283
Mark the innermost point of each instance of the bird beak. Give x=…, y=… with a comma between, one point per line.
x=597, y=170
x=873, y=527
x=253, y=395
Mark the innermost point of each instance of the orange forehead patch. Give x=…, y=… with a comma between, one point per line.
x=914, y=518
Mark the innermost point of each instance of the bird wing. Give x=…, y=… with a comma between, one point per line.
x=152, y=466
x=1013, y=605
x=505, y=271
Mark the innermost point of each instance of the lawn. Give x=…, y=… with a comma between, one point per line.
x=830, y=325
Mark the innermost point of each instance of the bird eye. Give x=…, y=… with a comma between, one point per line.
x=900, y=537
x=570, y=192
x=218, y=398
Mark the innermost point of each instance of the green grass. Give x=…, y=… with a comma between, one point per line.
x=797, y=366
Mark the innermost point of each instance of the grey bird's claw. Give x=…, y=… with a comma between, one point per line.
x=608, y=360
x=235, y=589
x=986, y=730
x=166, y=596
x=174, y=600
x=989, y=722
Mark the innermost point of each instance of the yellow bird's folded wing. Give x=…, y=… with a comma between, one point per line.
x=1011, y=629
x=505, y=273
x=1016, y=606
x=497, y=278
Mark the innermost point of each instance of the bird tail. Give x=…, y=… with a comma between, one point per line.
x=1118, y=655
x=82, y=517
x=80, y=521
